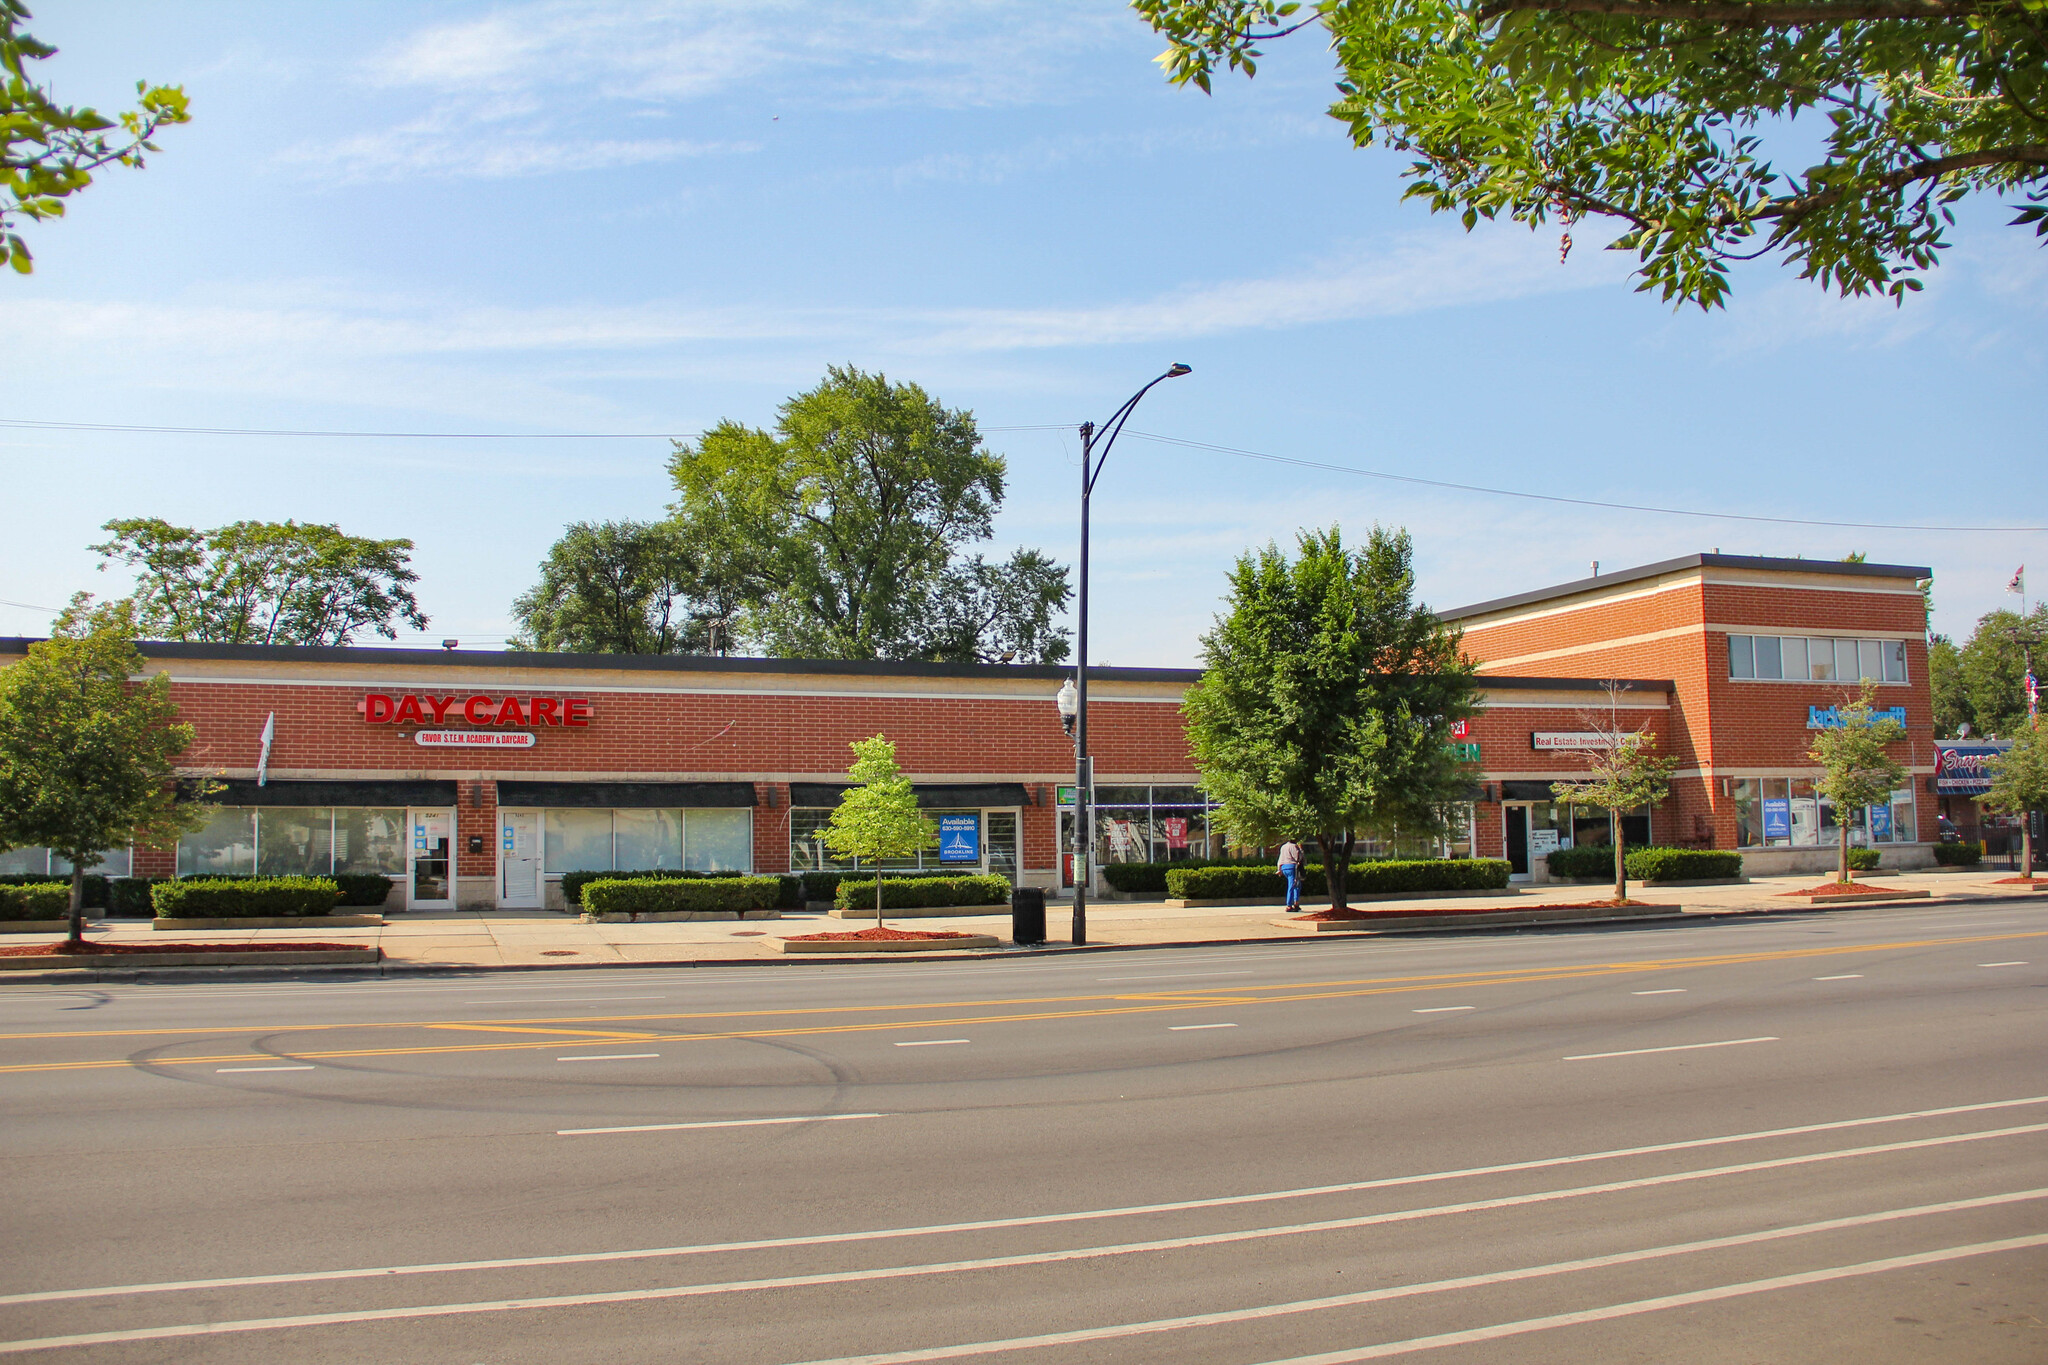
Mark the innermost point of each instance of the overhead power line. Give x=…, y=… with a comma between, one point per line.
x=1551, y=497
x=35, y=425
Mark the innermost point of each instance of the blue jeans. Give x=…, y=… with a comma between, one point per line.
x=1292, y=871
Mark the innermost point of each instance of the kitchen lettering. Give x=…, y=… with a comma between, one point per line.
x=412, y=708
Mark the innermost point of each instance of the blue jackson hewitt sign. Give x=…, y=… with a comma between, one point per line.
x=1830, y=717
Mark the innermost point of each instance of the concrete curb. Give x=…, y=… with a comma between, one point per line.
x=1322, y=902
x=1480, y=919
x=36, y=926
x=1857, y=898
x=315, y=957
x=884, y=945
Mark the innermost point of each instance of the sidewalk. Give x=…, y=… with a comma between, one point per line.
x=513, y=939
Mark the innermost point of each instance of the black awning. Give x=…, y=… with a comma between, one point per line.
x=930, y=795
x=243, y=791
x=1527, y=791
x=630, y=795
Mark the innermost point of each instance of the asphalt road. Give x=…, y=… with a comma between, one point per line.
x=1811, y=1138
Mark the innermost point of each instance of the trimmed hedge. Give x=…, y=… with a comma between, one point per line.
x=1680, y=864
x=130, y=896
x=824, y=886
x=245, y=898
x=1586, y=860
x=673, y=894
x=95, y=884
x=789, y=890
x=909, y=893
x=1863, y=859
x=36, y=900
x=1135, y=877
x=1381, y=876
x=1959, y=855
x=363, y=888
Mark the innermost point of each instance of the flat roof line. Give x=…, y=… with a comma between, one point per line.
x=1694, y=561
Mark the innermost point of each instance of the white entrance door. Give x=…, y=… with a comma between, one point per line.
x=430, y=860
x=519, y=879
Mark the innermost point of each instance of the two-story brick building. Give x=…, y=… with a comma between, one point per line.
x=478, y=779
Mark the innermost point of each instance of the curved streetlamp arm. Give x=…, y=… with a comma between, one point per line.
x=1115, y=425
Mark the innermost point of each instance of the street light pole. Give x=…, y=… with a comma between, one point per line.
x=1084, y=776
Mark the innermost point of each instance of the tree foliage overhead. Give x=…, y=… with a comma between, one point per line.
x=1327, y=699
x=263, y=583
x=87, y=757
x=1992, y=667
x=844, y=530
x=49, y=151
x=1689, y=124
x=627, y=587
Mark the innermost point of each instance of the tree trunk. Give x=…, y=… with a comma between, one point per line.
x=2026, y=845
x=1844, y=873
x=1336, y=864
x=1620, y=856
x=78, y=903
x=878, y=898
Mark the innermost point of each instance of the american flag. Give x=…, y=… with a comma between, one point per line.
x=2019, y=581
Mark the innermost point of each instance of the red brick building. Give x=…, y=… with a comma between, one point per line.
x=477, y=779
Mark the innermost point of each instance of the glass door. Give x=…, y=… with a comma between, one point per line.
x=519, y=873
x=430, y=868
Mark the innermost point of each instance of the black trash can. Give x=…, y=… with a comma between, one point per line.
x=1027, y=915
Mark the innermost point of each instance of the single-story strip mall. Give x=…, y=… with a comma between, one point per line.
x=479, y=779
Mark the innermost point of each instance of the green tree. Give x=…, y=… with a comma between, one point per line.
x=1622, y=773
x=1857, y=767
x=845, y=521
x=1994, y=667
x=1952, y=709
x=87, y=754
x=1327, y=699
x=2019, y=786
x=49, y=151
x=628, y=587
x=878, y=819
x=263, y=583
x=1688, y=124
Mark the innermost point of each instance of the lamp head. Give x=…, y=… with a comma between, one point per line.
x=1176, y=370
x=1069, y=702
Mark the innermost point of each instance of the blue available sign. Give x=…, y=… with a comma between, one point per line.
x=1777, y=818
x=960, y=838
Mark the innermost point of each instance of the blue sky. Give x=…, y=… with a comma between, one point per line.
x=592, y=215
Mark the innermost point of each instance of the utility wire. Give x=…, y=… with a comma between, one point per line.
x=32, y=424
x=1550, y=497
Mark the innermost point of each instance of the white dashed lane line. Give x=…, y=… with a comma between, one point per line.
x=2001, y=964
x=1668, y=990
x=611, y=1057
x=1845, y=976
x=935, y=1042
x=1681, y=1047
x=223, y=1070
x=714, y=1123
x=1447, y=1009
x=1189, y=1028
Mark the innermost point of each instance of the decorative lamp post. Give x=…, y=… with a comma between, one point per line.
x=1093, y=453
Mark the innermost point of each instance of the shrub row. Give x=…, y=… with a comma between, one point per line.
x=908, y=893
x=1863, y=859
x=824, y=886
x=95, y=885
x=35, y=900
x=245, y=898
x=1679, y=864
x=1959, y=855
x=1137, y=877
x=1582, y=860
x=637, y=895
x=789, y=894
x=1381, y=876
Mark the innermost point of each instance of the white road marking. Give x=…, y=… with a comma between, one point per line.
x=935, y=1042
x=1668, y=990
x=672, y=1127
x=1845, y=976
x=1171, y=976
x=1189, y=1028
x=2001, y=964
x=610, y=1057
x=1022, y=1221
x=566, y=1000
x=223, y=1070
x=1680, y=1047
x=1121, y=1330
x=1446, y=1009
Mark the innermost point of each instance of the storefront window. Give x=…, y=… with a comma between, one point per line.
x=647, y=840
x=1777, y=812
x=578, y=841
x=718, y=840
x=41, y=862
x=369, y=839
x=294, y=841
x=1806, y=813
x=1816, y=658
x=225, y=844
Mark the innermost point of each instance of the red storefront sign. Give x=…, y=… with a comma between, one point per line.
x=474, y=739
x=414, y=708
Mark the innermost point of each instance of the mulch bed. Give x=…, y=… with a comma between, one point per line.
x=873, y=934
x=1844, y=889
x=1347, y=915
x=92, y=949
x=2021, y=881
